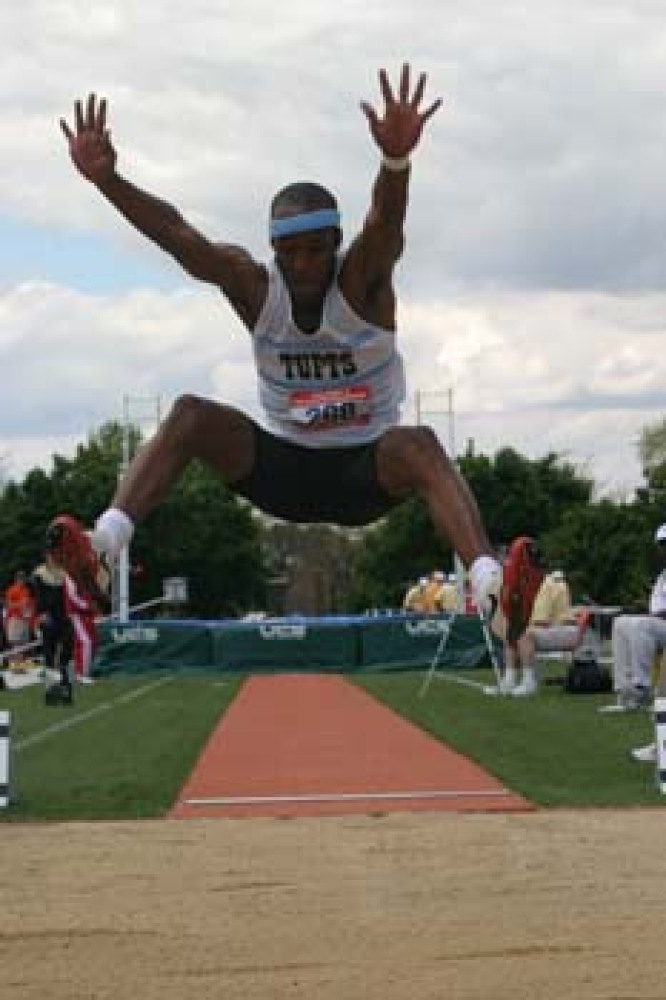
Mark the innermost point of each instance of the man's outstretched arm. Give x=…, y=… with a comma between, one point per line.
x=396, y=134
x=230, y=268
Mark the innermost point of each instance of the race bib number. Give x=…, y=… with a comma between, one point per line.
x=330, y=408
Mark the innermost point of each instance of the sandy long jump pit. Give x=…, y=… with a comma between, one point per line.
x=449, y=895
x=425, y=905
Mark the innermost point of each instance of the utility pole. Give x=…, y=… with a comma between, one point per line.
x=120, y=580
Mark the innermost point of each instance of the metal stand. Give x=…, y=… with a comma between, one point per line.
x=446, y=634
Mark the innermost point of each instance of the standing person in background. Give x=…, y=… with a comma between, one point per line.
x=47, y=584
x=323, y=323
x=82, y=607
x=81, y=612
x=19, y=612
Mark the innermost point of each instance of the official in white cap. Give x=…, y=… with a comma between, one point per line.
x=637, y=639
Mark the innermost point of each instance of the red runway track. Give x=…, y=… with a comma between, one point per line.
x=311, y=745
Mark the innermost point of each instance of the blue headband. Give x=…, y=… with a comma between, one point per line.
x=305, y=222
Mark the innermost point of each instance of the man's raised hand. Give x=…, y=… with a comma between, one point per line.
x=90, y=140
x=398, y=132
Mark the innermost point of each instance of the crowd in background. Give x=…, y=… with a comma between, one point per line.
x=437, y=593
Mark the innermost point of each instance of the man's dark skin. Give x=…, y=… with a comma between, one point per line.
x=409, y=459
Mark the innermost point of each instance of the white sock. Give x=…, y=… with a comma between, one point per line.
x=115, y=529
x=481, y=569
x=509, y=677
x=529, y=676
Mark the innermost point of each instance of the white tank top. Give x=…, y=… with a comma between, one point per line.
x=341, y=385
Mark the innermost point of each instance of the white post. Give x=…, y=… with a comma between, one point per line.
x=123, y=584
x=123, y=559
x=5, y=720
x=458, y=567
x=121, y=604
x=660, y=740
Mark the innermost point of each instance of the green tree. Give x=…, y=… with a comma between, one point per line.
x=394, y=552
x=80, y=485
x=607, y=551
x=201, y=531
x=516, y=496
x=521, y=496
x=25, y=509
x=652, y=453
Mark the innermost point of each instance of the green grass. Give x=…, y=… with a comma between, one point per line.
x=126, y=746
x=129, y=745
x=555, y=749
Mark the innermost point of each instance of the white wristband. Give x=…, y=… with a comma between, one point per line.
x=395, y=163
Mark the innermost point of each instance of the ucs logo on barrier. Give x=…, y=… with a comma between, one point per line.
x=138, y=633
x=428, y=626
x=281, y=631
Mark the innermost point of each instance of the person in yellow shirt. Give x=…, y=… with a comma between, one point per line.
x=448, y=594
x=553, y=627
x=431, y=596
x=415, y=598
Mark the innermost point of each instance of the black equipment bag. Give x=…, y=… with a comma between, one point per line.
x=586, y=675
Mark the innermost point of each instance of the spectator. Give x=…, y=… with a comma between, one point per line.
x=431, y=602
x=19, y=612
x=47, y=584
x=636, y=641
x=415, y=598
x=82, y=610
x=438, y=597
x=553, y=627
x=448, y=596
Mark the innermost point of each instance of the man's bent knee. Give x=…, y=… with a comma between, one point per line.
x=409, y=456
x=187, y=409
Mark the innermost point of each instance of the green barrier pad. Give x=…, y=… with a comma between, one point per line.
x=412, y=641
x=139, y=646
x=310, y=644
x=335, y=644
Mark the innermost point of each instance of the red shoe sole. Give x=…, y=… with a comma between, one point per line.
x=74, y=551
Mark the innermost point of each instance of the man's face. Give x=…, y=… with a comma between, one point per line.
x=307, y=263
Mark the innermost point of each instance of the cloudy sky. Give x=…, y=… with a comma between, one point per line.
x=532, y=288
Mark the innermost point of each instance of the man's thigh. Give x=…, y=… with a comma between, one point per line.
x=657, y=629
x=554, y=638
x=624, y=626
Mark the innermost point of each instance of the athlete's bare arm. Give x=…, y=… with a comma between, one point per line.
x=231, y=268
x=367, y=276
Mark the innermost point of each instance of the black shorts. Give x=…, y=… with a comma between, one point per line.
x=315, y=485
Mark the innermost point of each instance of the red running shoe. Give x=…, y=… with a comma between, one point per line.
x=69, y=544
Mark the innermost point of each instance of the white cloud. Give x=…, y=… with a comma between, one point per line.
x=519, y=368
x=532, y=279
